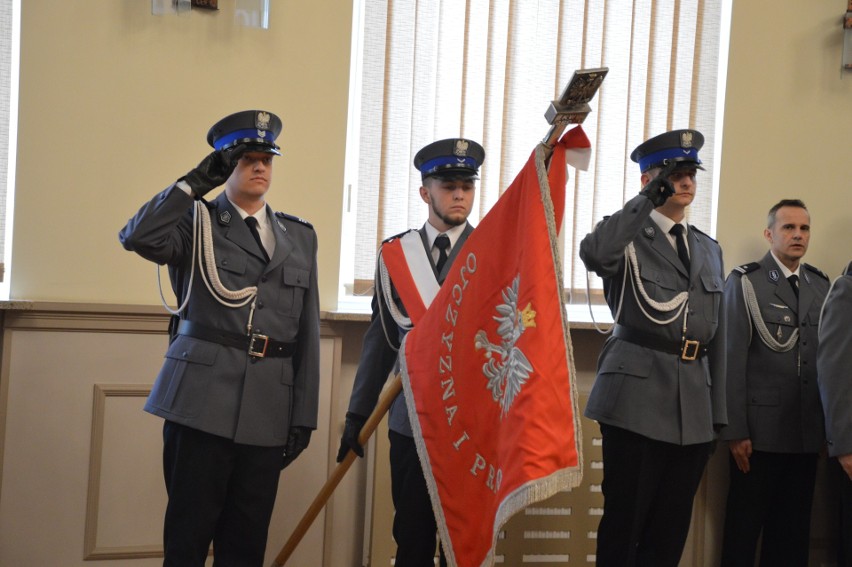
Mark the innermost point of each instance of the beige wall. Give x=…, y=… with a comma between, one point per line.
x=115, y=104
x=787, y=128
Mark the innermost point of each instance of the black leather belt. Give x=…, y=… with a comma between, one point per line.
x=256, y=344
x=686, y=349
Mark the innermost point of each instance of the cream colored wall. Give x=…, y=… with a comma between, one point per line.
x=787, y=128
x=115, y=104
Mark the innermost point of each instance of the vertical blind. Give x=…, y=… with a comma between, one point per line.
x=486, y=70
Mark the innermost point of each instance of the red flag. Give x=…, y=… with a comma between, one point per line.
x=488, y=371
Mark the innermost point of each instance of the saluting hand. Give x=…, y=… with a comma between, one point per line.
x=214, y=170
x=741, y=450
x=659, y=189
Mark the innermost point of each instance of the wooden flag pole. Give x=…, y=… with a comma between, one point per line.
x=389, y=393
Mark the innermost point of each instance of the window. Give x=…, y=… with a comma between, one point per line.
x=9, y=36
x=486, y=70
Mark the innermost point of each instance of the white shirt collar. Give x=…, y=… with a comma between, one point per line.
x=453, y=233
x=665, y=223
x=784, y=269
x=260, y=215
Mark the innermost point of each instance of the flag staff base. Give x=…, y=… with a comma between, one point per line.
x=389, y=393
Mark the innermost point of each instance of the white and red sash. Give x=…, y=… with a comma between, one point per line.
x=404, y=261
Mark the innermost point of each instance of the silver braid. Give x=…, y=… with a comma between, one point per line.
x=753, y=309
x=678, y=302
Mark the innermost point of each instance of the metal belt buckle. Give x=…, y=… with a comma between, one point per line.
x=690, y=349
x=253, y=350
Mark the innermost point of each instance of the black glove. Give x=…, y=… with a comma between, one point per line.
x=660, y=188
x=297, y=441
x=354, y=424
x=213, y=170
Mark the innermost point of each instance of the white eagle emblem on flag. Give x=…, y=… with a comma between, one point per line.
x=510, y=369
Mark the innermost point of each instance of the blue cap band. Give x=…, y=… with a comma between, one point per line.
x=678, y=154
x=447, y=162
x=249, y=134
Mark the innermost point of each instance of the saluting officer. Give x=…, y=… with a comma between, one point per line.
x=449, y=170
x=239, y=385
x=659, y=393
x=834, y=374
x=775, y=421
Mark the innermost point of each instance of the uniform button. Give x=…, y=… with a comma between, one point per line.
x=260, y=305
x=184, y=354
x=224, y=262
x=621, y=367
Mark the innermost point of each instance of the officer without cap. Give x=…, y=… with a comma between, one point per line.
x=449, y=170
x=659, y=393
x=239, y=386
x=775, y=428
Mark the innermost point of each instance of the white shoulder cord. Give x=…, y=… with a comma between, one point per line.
x=753, y=310
x=191, y=274
x=207, y=258
x=617, y=311
x=384, y=293
x=678, y=302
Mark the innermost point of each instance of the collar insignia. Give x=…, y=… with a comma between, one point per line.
x=650, y=232
x=225, y=217
x=773, y=275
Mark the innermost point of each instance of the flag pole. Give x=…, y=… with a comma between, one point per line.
x=389, y=393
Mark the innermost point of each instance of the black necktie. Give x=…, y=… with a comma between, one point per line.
x=794, y=283
x=252, y=224
x=442, y=243
x=682, y=253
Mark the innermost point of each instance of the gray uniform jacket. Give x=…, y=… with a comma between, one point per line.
x=221, y=389
x=773, y=397
x=834, y=365
x=379, y=352
x=644, y=390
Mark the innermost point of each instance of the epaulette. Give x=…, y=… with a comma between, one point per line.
x=395, y=236
x=816, y=270
x=696, y=229
x=294, y=219
x=746, y=268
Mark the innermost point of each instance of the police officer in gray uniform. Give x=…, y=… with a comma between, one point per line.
x=239, y=386
x=775, y=420
x=660, y=386
x=449, y=170
x=834, y=375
